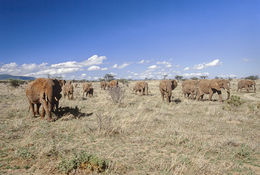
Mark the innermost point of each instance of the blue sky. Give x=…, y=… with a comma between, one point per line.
x=131, y=38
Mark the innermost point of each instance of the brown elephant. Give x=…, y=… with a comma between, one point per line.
x=88, y=89
x=212, y=86
x=68, y=90
x=141, y=87
x=103, y=85
x=247, y=84
x=45, y=92
x=166, y=87
x=57, y=92
x=189, y=88
x=112, y=83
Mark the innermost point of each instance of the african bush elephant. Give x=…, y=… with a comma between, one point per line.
x=43, y=91
x=189, y=88
x=166, y=87
x=141, y=87
x=212, y=86
x=88, y=89
x=68, y=90
x=246, y=84
x=58, y=84
x=112, y=83
x=103, y=85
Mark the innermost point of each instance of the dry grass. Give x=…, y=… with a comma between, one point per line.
x=142, y=135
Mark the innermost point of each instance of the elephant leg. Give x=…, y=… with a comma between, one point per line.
x=32, y=108
x=46, y=109
x=169, y=98
x=42, y=113
x=192, y=95
x=198, y=96
x=57, y=105
x=254, y=89
x=38, y=108
x=247, y=88
x=228, y=92
x=219, y=95
x=211, y=94
x=162, y=95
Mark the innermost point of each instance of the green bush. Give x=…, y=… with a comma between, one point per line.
x=83, y=160
x=15, y=83
x=124, y=81
x=235, y=101
x=252, y=77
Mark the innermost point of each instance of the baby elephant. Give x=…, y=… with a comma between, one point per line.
x=141, y=87
x=68, y=90
x=88, y=89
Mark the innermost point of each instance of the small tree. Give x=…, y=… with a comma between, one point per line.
x=109, y=77
x=164, y=76
x=203, y=77
x=194, y=78
x=178, y=77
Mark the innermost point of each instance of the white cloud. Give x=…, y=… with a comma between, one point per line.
x=115, y=66
x=205, y=65
x=186, y=68
x=152, y=67
x=43, y=69
x=104, y=68
x=199, y=66
x=213, y=63
x=162, y=62
x=141, y=62
x=167, y=64
x=228, y=76
x=83, y=75
x=91, y=68
x=94, y=60
x=123, y=65
x=196, y=74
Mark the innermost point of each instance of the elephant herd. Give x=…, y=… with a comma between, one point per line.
x=46, y=92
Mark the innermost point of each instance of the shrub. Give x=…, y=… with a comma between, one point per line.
x=235, y=101
x=117, y=94
x=252, y=77
x=194, y=78
x=123, y=81
x=15, y=83
x=83, y=160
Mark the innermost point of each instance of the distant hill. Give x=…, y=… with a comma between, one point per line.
x=7, y=76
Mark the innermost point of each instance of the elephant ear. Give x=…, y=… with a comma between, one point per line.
x=215, y=85
x=174, y=84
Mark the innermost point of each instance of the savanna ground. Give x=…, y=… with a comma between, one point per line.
x=143, y=135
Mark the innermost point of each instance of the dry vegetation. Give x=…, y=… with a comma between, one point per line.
x=141, y=135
